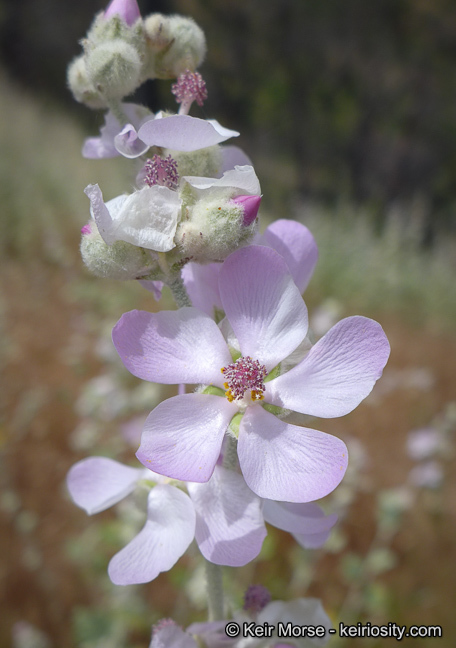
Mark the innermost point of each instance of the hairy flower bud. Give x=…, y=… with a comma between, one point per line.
x=215, y=227
x=174, y=44
x=120, y=260
x=114, y=68
x=82, y=88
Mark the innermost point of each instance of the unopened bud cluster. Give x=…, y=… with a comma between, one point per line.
x=122, y=50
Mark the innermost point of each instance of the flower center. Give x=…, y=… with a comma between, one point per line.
x=190, y=87
x=161, y=171
x=242, y=375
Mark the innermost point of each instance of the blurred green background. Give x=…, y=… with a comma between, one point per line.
x=347, y=109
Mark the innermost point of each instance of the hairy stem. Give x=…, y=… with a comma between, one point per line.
x=214, y=589
x=179, y=292
x=116, y=108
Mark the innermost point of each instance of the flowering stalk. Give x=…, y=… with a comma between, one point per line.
x=221, y=461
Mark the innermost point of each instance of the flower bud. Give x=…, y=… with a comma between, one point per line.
x=215, y=227
x=117, y=261
x=174, y=44
x=128, y=10
x=82, y=88
x=114, y=68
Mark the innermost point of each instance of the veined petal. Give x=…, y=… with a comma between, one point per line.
x=201, y=283
x=285, y=462
x=229, y=523
x=183, y=436
x=296, y=245
x=96, y=483
x=263, y=304
x=337, y=373
x=242, y=178
x=183, y=133
x=169, y=529
x=307, y=522
x=172, y=347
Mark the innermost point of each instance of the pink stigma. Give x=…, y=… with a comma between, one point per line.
x=161, y=171
x=256, y=598
x=164, y=623
x=128, y=10
x=242, y=375
x=190, y=87
x=86, y=229
x=251, y=205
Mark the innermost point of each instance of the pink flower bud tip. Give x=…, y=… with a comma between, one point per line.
x=128, y=10
x=86, y=229
x=251, y=205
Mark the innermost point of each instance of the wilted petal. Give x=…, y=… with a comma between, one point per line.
x=169, y=529
x=128, y=144
x=172, y=347
x=263, y=304
x=147, y=218
x=184, y=133
x=241, y=178
x=97, y=483
x=183, y=436
x=286, y=462
x=296, y=245
x=305, y=521
x=337, y=373
x=105, y=146
x=229, y=523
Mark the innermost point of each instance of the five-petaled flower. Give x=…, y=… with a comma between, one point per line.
x=223, y=515
x=266, y=319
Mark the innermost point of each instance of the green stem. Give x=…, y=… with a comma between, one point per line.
x=174, y=282
x=179, y=292
x=230, y=456
x=116, y=109
x=214, y=588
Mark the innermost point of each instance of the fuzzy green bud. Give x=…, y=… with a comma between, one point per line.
x=174, y=44
x=114, y=68
x=213, y=228
x=120, y=260
x=104, y=30
x=82, y=88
